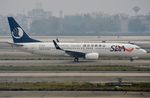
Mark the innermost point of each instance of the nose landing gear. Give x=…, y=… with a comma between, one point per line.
x=133, y=58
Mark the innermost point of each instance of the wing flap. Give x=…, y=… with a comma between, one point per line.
x=75, y=53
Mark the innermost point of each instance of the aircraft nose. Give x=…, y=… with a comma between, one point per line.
x=143, y=51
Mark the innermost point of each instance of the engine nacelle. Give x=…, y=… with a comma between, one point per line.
x=92, y=56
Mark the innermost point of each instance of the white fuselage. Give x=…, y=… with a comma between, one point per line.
x=76, y=50
x=103, y=49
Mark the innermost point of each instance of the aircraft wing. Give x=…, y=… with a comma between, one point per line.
x=69, y=52
x=75, y=53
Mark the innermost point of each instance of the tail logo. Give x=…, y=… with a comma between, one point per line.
x=17, y=33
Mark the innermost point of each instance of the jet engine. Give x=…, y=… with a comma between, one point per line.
x=92, y=56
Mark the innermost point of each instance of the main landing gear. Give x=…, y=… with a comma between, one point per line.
x=76, y=59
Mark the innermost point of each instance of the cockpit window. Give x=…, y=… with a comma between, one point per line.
x=137, y=48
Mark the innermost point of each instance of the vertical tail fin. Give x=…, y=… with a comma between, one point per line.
x=17, y=33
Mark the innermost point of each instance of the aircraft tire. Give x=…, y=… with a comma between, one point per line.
x=76, y=59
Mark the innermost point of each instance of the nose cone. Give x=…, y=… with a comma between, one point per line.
x=143, y=51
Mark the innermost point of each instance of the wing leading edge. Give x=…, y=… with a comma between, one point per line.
x=75, y=54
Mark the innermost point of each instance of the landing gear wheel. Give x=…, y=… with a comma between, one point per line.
x=131, y=59
x=76, y=59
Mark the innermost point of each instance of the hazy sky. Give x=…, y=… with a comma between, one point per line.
x=75, y=6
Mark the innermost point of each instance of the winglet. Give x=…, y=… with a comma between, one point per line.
x=56, y=45
x=57, y=40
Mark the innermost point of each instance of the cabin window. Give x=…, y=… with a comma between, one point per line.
x=84, y=45
x=88, y=45
x=95, y=45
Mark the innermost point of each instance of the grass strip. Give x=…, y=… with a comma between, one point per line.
x=73, y=68
x=73, y=86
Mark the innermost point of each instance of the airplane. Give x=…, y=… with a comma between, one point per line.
x=89, y=51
